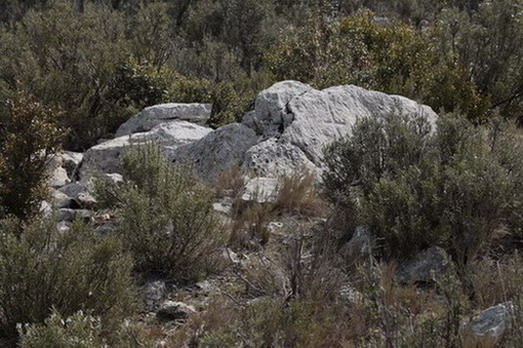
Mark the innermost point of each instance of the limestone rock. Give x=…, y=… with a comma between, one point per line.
x=493, y=321
x=423, y=267
x=70, y=161
x=154, y=115
x=276, y=158
x=261, y=190
x=171, y=310
x=217, y=151
x=270, y=115
x=105, y=157
x=153, y=292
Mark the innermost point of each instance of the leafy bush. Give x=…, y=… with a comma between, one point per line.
x=42, y=268
x=166, y=219
x=29, y=138
x=455, y=188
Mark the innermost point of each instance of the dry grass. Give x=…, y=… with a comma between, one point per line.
x=229, y=182
x=298, y=195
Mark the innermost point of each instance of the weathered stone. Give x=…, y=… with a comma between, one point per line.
x=424, y=267
x=261, y=190
x=224, y=206
x=70, y=215
x=276, y=158
x=270, y=115
x=492, y=322
x=154, y=115
x=171, y=310
x=153, y=292
x=73, y=189
x=105, y=157
x=217, y=151
x=70, y=161
x=59, y=178
x=86, y=200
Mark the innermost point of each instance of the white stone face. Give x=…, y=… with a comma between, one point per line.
x=154, y=115
x=105, y=157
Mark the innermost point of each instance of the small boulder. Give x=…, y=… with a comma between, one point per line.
x=423, y=267
x=59, y=178
x=70, y=161
x=492, y=322
x=153, y=292
x=69, y=215
x=171, y=310
x=224, y=206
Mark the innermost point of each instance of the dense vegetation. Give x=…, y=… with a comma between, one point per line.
x=100, y=61
x=71, y=71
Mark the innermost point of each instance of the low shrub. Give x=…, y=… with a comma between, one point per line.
x=165, y=215
x=42, y=268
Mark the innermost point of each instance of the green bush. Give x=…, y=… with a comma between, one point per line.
x=456, y=188
x=42, y=268
x=29, y=138
x=165, y=214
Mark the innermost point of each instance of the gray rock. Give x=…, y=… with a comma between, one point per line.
x=423, y=267
x=69, y=215
x=321, y=117
x=361, y=245
x=295, y=123
x=217, y=151
x=492, y=322
x=70, y=161
x=261, y=190
x=59, y=178
x=86, y=200
x=153, y=292
x=73, y=189
x=270, y=115
x=154, y=115
x=171, y=310
x=224, y=206
x=46, y=208
x=105, y=157
x=276, y=158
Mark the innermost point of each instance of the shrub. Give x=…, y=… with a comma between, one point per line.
x=166, y=219
x=455, y=188
x=80, y=331
x=42, y=268
x=29, y=137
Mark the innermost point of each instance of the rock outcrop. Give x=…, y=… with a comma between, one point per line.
x=164, y=113
x=286, y=132
x=291, y=124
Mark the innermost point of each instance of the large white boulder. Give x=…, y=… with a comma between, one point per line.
x=105, y=157
x=321, y=117
x=154, y=115
x=290, y=126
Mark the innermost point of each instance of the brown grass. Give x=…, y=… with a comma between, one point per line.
x=298, y=195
